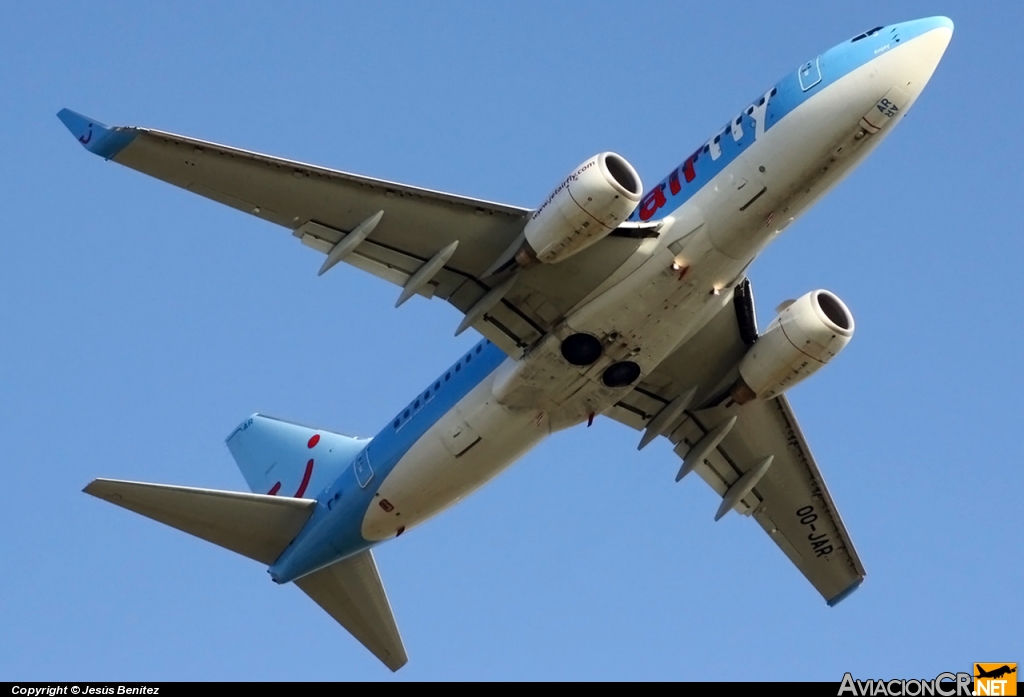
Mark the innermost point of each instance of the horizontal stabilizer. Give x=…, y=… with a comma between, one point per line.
x=352, y=593
x=254, y=525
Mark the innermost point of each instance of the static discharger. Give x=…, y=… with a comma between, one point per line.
x=743, y=486
x=350, y=242
x=704, y=447
x=666, y=417
x=426, y=272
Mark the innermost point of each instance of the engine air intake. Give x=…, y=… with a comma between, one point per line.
x=622, y=173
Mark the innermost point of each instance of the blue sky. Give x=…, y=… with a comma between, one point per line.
x=140, y=324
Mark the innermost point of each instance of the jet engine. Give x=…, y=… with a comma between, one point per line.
x=806, y=334
x=591, y=202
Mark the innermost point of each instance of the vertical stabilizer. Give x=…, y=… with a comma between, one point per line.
x=352, y=593
x=280, y=458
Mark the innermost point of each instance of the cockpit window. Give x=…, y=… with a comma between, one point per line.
x=866, y=34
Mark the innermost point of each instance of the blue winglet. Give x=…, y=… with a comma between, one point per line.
x=845, y=593
x=96, y=137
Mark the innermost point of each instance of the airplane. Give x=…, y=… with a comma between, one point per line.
x=996, y=672
x=606, y=299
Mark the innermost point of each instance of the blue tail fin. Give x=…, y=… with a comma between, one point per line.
x=284, y=459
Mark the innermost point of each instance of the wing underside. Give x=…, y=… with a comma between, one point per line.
x=789, y=500
x=322, y=206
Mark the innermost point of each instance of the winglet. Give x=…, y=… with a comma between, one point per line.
x=96, y=137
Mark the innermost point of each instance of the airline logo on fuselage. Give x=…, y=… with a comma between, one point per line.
x=707, y=161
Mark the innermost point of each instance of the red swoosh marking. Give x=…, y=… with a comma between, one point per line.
x=305, y=480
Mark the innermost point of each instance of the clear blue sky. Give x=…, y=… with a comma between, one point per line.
x=139, y=324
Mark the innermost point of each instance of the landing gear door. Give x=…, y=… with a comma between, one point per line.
x=810, y=74
x=362, y=468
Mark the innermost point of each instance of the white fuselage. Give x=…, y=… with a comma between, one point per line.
x=664, y=293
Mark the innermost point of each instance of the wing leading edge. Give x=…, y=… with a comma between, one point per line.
x=728, y=446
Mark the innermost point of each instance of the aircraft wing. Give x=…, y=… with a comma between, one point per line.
x=321, y=207
x=790, y=500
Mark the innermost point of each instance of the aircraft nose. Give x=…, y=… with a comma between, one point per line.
x=917, y=27
x=928, y=39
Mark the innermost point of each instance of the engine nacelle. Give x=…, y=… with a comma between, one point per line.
x=806, y=335
x=591, y=202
